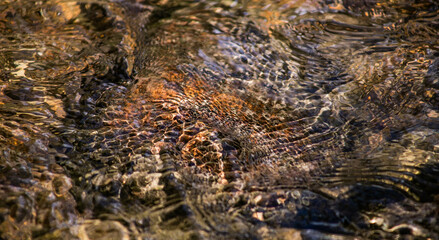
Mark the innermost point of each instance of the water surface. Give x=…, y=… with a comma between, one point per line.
x=209, y=119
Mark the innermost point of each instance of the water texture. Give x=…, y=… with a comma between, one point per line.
x=219, y=119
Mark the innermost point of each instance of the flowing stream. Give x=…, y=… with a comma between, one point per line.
x=219, y=119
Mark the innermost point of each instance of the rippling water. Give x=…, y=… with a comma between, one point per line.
x=252, y=119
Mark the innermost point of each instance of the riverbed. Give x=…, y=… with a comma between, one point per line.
x=219, y=119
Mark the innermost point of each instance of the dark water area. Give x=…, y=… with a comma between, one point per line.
x=219, y=119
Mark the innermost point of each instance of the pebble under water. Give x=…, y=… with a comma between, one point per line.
x=219, y=119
